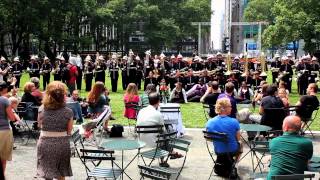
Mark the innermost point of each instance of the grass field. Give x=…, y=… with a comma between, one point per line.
x=192, y=113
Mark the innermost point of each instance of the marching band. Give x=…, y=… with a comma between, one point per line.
x=188, y=71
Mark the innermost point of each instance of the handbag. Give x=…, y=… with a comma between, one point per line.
x=116, y=130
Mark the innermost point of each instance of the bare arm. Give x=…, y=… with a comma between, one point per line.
x=10, y=114
x=70, y=126
x=238, y=136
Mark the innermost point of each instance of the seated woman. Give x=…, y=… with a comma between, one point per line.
x=36, y=92
x=97, y=100
x=27, y=96
x=259, y=94
x=178, y=94
x=131, y=100
x=197, y=91
x=144, y=98
x=283, y=85
x=244, y=94
x=222, y=123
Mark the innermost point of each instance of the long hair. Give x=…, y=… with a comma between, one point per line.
x=54, y=97
x=95, y=93
x=131, y=90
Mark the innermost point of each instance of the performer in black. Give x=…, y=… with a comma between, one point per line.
x=286, y=72
x=179, y=64
x=124, y=72
x=34, y=67
x=303, y=74
x=88, y=72
x=100, y=67
x=131, y=68
x=314, y=67
x=17, y=71
x=275, y=67
x=114, y=73
x=45, y=71
x=139, y=74
x=210, y=64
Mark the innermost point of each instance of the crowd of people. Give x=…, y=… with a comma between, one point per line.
x=176, y=80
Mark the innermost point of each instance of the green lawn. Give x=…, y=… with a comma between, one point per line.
x=192, y=113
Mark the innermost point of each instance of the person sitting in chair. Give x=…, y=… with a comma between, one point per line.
x=290, y=152
x=308, y=103
x=222, y=123
x=211, y=96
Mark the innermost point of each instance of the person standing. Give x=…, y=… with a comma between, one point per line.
x=56, y=122
x=290, y=153
x=56, y=70
x=5, y=66
x=34, y=67
x=303, y=73
x=45, y=71
x=80, y=71
x=100, y=67
x=114, y=72
x=287, y=72
x=124, y=72
x=73, y=73
x=17, y=70
x=275, y=66
x=6, y=137
x=88, y=72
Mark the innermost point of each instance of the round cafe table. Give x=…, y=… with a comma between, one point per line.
x=122, y=145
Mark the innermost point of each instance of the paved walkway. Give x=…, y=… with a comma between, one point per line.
x=197, y=167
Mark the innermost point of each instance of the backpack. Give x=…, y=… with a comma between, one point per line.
x=116, y=130
x=65, y=73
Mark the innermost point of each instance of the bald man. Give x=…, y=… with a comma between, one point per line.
x=290, y=152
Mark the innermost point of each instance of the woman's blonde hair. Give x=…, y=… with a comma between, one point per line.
x=131, y=90
x=222, y=104
x=54, y=97
x=28, y=87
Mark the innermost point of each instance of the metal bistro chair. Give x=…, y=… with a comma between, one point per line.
x=309, y=119
x=136, y=107
x=208, y=110
x=28, y=114
x=168, y=120
x=211, y=137
x=293, y=177
x=96, y=171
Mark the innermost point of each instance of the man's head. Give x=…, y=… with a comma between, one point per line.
x=291, y=124
x=215, y=85
x=154, y=99
x=272, y=90
x=223, y=106
x=75, y=94
x=312, y=88
x=229, y=87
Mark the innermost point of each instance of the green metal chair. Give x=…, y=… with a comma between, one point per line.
x=293, y=177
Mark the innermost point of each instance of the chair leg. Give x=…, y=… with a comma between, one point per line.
x=211, y=173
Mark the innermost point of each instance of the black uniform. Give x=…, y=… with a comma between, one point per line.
x=34, y=69
x=62, y=69
x=88, y=75
x=124, y=75
x=275, y=74
x=56, y=74
x=139, y=74
x=131, y=72
x=313, y=76
x=303, y=70
x=4, y=66
x=196, y=66
x=179, y=65
x=190, y=81
x=288, y=77
x=79, y=78
x=210, y=65
x=100, y=74
x=17, y=72
x=46, y=69
x=114, y=75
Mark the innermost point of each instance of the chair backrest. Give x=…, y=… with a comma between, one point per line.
x=93, y=154
x=26, y=111
x=102, y=117
x=158, y=129
x=170, y=114
x=154, y=173
x=293, y=177
x=215, y=136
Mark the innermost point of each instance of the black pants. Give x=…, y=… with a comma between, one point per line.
x=88, y=81
x=124, y=80
x=57, y=77
x=46, y=80
x=114, y=82
x=101, y=76
x=79, y=79
x=17, y=85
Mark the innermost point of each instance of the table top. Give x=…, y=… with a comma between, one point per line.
x=254, y=127
x=123, y=144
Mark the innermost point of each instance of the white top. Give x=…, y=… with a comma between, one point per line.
x=149, y=116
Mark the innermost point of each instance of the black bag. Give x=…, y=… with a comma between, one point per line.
x=224, y=167
x=116, y=130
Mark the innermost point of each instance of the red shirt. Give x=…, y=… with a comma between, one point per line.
x=73, y=76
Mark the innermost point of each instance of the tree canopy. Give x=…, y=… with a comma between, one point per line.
x=55, y=24
x=289, y=21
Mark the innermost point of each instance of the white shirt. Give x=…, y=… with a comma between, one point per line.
x=149, y=116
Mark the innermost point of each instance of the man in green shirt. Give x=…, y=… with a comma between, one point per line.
x=290, y=152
